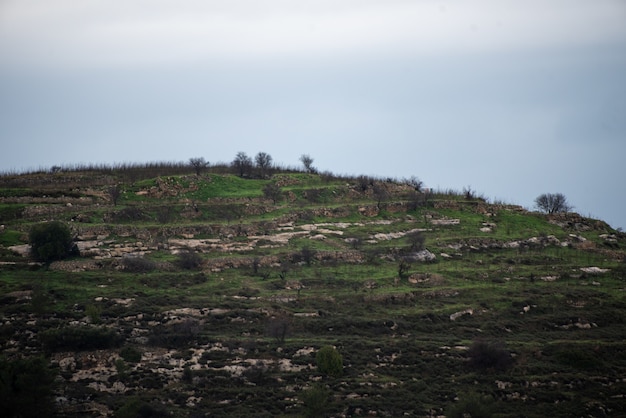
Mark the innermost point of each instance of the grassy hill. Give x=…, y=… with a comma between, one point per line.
x=207, y=295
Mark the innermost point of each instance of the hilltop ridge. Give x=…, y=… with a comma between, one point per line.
x=209, y=294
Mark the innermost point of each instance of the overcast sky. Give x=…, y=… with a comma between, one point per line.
x=510, y=98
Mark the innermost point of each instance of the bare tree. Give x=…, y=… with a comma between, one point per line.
x=263, y=162
x=552, y=203
x=114, y=193
x=307, y=161
x=381, y=193
x=414, y=182
x=272, y=191
x=278, y=328
x=198, y=164
x=416, y=241
x=242, y=164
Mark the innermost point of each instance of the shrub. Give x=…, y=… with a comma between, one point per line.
x=138, y=264
x=278, y=328
x=189, y=260
x=26, y=388
x=51, y=241
x=472, y=405
x=130, y=354
x=329, y=361
x=315, y=401
x=79, y=338
x=136, y=408
x=489, y=356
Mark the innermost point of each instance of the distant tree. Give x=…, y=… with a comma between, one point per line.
x=416, y=241
x=198, y=164
x=329, y=361
x=51, y=241
x=307, y=161
x=552, y=203
x=381, y=193
x=242, y=164
x=263, y=162
x=414, y=182
x=272, y=191
x=114, y=192
x=403, y=269
x=278, y=328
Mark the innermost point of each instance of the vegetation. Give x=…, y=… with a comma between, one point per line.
x=552, y=203
x=51, y=241
x=329, y=361
x=278, y=291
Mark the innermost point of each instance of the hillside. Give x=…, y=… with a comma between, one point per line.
x=211, y=295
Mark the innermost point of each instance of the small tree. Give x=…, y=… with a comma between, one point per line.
x=416, y=183
x=307, y=161
x=329, y=361
x=416, y=241
x=381, y=193
x=114, y=193
x=263, y=162
x=198, y=164
x=278, y=328
x=242, y=164
x=315, y=401
x=272, y=191
x=51, y=241
x=552, y=203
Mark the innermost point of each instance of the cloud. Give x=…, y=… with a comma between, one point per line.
x=101, y=33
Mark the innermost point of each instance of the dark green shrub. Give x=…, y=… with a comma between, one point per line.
x=26, y=388
x=329, y=361
x=472, y=405
x=575, y=356
x=130, y=354
x=189, y=260
x=51, y=241
x=489, y=356
x=79, y=338
x=136, y=408
x=315, y=401
x=138, y=265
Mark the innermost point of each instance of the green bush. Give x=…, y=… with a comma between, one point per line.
x=329, y=361
x=79, y=338
x=130, y=354
x=138, y=265
x=26, y=388
x=315, y=401
x=489, y=356
x=189, y=260
x=471, y=405
x=51, y=241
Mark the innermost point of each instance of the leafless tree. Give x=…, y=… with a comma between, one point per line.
x=307, y=161
x=552, y=203
x=416, y=240
x=115, y=192
x=242, y=164
x=272, y=191
x=278, y=328
x=198, y=164
x=414, y=182
x=381, y=193
x=263, y=162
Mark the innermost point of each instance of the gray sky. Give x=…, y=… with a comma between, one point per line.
x=510, y=98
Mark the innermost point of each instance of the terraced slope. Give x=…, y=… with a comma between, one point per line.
x=204, y=296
